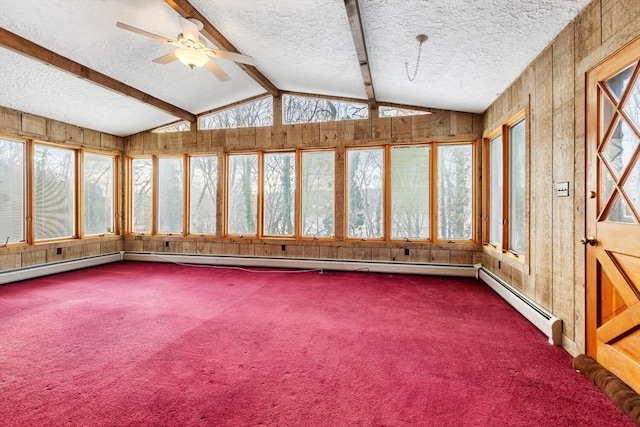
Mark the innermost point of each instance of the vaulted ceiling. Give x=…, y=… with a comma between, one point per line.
x=476, y=48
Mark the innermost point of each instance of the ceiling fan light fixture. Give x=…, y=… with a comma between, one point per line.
x=192, y=58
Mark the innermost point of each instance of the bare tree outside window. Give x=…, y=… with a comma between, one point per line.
x=516, y=187
x=410, y=192
x=455, y=192
x=301, y=109
x=141, y=170
x=98, y=193
x=54, y=185
x=252, y=114
x=242, y=194
x=183, y=126
x=365, y=193
x=203, y=188
x=12, y=164
x=318, y=193
x=495, y=191
x=398, y=112
x=170, y=195
x=279, y=194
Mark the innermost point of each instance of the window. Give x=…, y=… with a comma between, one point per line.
x=242, y=194
x=495, y=191
x=455, y=192
x=410, y=192
x=302, y=109
x=203, y=187
x=398, y=112
x=318, y=187
x=517, y=187
x=365, y=193
x=141, y=188
x=54, y=186
x=98, y=171
x=250, y=114
x=279, y=194
x=170, y=195
x=506, y=187
x=183, y=126
x=12, y=173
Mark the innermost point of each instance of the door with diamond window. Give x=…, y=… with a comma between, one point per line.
x=613, y=214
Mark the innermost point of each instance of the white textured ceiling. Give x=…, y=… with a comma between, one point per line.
x=476, y=48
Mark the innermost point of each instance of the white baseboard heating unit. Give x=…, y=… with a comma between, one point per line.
x=25, y=273
x=462, y=270
x=549, y=324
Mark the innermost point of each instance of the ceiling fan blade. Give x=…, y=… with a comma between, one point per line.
x=231, y=56
x=144, y=33
x=189, y=29
x=165, y=59
x=217, y=71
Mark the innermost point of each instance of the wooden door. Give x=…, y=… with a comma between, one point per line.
x=613, y=214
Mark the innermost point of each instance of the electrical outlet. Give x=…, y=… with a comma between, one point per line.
x=59, y=251
x=406, y=251
x=166, y=244
x=283, y=247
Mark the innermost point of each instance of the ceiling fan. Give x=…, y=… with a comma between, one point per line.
x=192, y=50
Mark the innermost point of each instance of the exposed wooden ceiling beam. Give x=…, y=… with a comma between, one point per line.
x=355, y=21
x=186, y=10
x=28, y=48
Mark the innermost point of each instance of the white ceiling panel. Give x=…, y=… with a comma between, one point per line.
x=85, y=32
x=300, y=45
x=45, y=91
x=476, y=48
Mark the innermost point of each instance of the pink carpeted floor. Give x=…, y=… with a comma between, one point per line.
x=168, y=345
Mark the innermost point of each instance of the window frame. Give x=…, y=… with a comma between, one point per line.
x=300, y=196
x=27, y=187
x=433, y=193
x=504, y=130
x=216, y=213
x=116, y=186
x=77, y=213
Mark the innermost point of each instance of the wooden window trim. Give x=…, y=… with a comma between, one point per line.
x=504, y=130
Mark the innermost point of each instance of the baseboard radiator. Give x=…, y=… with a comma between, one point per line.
x=461, y=270
x=25, y=273
x=549, y=324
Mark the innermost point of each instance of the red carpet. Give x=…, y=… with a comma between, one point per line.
x=167, y=345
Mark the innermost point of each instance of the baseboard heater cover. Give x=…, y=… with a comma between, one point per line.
x=18, y=274
x=549, y=324
x=459, y=270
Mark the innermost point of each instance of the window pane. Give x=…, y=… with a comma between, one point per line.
x=365, y=190
x=98, y=193
x=170, y=192
x=318, y=193
x=495, y=191
x=204, y=187
x=516, y=187
x=11, y=191
x=410, y=192
x=455, y=192
x=54, y=175
x=141, y=195
x=302, y=109
x=279, y=193
x=242, y=200
x=252, y=114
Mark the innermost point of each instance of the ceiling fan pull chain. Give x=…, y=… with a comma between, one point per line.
x=421, y=39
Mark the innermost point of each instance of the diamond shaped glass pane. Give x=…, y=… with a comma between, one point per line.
x=620, y=147
x=621, y=212
x=608, y=110
x=607, y=184
x=632, y=104
x=632, y=185
x=618, y=83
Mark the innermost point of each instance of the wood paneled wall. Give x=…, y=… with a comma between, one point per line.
x=553, y=88
x=438, y=126
x=29, y=126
